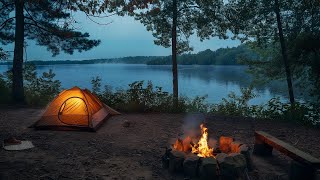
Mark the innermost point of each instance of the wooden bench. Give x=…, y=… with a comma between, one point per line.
x=303, y=163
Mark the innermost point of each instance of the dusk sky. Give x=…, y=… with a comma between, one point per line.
x=123, y=37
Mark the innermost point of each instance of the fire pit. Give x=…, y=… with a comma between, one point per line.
x=196, y=157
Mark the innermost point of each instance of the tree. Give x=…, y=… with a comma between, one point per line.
x=262, y=21
x=284, y=50
x=173, y=22
x=49, y=23
x=280, y=32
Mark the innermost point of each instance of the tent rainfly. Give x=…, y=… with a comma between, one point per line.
x=75, y=109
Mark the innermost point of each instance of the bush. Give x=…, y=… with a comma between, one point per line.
x=5, y=91
x=138, y=98
x=146, y=98
x=39, y=91
x=237, y=105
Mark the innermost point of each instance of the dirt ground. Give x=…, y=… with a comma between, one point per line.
x=117, y=152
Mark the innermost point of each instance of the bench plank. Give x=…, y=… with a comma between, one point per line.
x=287, y=149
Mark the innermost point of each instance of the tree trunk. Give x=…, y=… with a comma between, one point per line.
x=174, y=55
x=17, y=84
x=284, y=52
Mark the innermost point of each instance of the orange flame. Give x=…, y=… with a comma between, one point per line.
x=202, y=149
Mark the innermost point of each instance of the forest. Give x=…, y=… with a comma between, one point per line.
x=222, y=56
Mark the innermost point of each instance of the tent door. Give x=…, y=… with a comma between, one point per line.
x=74, y=112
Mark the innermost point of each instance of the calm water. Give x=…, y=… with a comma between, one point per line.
x=214, y=81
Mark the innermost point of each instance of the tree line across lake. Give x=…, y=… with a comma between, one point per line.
x=222, y=56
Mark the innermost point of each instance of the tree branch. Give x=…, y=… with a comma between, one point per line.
x=36, y=24
x=6, y=5
x=188, y=7
x=5, y=22
x=42, y=28
x=105, y=24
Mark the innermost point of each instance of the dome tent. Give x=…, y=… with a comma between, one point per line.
x=75, y=109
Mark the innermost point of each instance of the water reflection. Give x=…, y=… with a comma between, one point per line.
x=214, y=81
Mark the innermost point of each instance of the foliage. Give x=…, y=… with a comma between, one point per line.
x=222, y=56
x=4, y=90
x=145, y=98
x=139, y=98
x=237, y=105
x=49, y=23
x=96, y=84
x=39, y=90
x=3, y=54
x=255, y=22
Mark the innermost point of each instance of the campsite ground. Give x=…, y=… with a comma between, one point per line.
x=117, y=152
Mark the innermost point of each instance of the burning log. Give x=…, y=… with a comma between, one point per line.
x=225, y=144
x=187, y=144
x=235, y=147
x=178, y=145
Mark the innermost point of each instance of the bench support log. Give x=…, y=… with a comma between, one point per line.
x=262, y=149
x=303, y=165
x=301, y=171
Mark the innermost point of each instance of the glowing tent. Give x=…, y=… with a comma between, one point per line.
x=75, y=109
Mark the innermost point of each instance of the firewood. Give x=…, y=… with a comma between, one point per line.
x=225, y=144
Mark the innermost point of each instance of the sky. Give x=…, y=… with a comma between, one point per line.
x=123, y=37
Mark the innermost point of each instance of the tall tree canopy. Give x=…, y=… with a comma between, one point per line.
x=173, y=22
x=275, y=27
x=48, y=23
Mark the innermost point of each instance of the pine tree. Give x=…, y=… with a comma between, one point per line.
x=173, y=22
x=49, y=23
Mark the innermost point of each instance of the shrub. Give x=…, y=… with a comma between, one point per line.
x=39, y=91
x=5, y=91
x=237, y=105
x=138, y=98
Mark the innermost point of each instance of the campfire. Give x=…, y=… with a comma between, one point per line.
x=199, y=155
x=201, y=148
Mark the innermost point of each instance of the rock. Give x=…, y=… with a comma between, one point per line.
x=165, y=158
x=225, y=144
x=235, y=147
x=176, y=159
x=208, y=169
x=233, y=167
x=126, y=123
x=220, y=157
x=190, y=165
x=244, y=149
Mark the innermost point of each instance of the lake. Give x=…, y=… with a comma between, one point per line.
x=214, y=81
